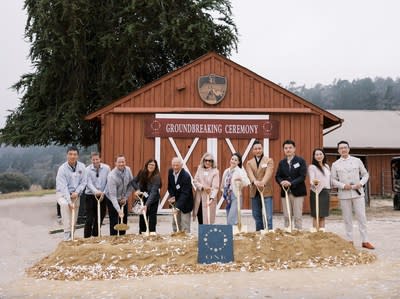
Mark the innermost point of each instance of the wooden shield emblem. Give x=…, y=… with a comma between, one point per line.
x=212, y=88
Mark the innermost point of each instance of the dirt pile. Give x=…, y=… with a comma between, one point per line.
x=138, y=255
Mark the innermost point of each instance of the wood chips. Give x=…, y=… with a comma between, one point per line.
x=138, y=255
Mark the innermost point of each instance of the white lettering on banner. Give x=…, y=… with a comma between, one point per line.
x=211, y=128
x=194, y=128
x=241, y=129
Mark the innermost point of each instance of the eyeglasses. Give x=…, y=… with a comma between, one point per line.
x=207, y=160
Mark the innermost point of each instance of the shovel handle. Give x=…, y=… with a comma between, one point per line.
x=286, y=189
x=316, y=183
x=144, y=215
x=239, y=192
x=72, y=220
x=175, y=217
x=99, y=199
x=261, y=192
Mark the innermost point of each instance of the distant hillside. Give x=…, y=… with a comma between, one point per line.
x=363, y=94
x=39, y=164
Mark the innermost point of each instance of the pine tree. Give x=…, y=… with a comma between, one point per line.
x=88, y=53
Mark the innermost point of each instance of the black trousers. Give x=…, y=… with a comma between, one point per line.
x=113, y=215
x=200, y=214
x=91, y=228
x=151, y=214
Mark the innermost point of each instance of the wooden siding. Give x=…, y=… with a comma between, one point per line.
x=124, y=134
x=247, y=93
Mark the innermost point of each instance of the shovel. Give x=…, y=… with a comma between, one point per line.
x=261, y=191
x=239, y=228
x=286, y=189
x=72, y=220
x=145, y=216
x=316, y=182
x=121, y=226
x=208, y=209
x=175, y=217
x=99, y=199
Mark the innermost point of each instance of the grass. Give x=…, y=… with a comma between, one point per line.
x=26, y=194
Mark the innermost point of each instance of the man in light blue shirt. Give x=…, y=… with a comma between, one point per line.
x=118, y=190
x=97, y=173
x=70, y=183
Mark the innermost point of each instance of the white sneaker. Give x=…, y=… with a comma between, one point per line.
x=67, y=236
x=322, y=229
x=313, y=230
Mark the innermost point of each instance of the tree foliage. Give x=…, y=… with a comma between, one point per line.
x=38, y=164
x=362, y=94
x=87, y=53
x=12, y=182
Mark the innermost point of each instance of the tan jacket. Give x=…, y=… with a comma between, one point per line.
x=263, y=173
x=205, y=178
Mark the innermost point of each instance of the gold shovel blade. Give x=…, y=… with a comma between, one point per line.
x=121, y=227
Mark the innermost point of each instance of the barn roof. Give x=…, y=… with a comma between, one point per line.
x=366, y=129
x=297, y=104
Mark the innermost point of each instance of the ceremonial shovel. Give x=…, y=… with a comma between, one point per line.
x=208, y=209
x=261, y=191
x=175, y=217
x=73, y=220
x=316, y=182
x=286, y=189
x=144, y=215
x=239, y=228
x=121, y=226
x=99, y=199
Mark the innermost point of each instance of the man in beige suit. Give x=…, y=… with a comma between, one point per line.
x=260, y=172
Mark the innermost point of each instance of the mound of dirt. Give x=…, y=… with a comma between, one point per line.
x=138, y=255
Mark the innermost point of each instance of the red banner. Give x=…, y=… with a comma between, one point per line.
x=211, y=128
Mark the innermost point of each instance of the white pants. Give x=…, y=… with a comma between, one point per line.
x=66, y=212
x=183, y=220
x=296, y=210
x=347, y=205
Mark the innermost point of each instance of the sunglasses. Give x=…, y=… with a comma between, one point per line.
x=207, y=160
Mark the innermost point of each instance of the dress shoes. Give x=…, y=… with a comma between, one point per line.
x=367, y=245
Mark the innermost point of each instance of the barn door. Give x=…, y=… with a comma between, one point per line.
x=190, y=151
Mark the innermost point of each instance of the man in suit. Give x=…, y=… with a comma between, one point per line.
x=181, y=194
x=291, y=174
x=260, y=170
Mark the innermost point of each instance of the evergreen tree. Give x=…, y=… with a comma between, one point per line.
x=87, y=53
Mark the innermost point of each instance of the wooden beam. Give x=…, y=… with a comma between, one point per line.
x=207, y=110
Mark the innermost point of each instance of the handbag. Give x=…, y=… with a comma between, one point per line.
x=137, y=207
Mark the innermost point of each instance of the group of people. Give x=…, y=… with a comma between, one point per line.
x=114, y=187
x=108, y=188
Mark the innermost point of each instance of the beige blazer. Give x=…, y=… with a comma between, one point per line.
x=263, y=173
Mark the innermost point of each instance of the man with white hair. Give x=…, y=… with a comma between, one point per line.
x=181, y=194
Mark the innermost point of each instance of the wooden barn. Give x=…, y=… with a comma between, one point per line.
x=372, y=135
x=211, y=104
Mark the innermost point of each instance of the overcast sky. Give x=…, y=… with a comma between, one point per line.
x=305, y=41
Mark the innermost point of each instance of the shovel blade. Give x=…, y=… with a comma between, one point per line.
x=236, y=230
x=121, y=227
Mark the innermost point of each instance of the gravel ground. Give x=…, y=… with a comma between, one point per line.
x=25, y=240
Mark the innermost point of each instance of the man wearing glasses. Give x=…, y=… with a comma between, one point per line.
x=97, y=173
x=349, y=176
